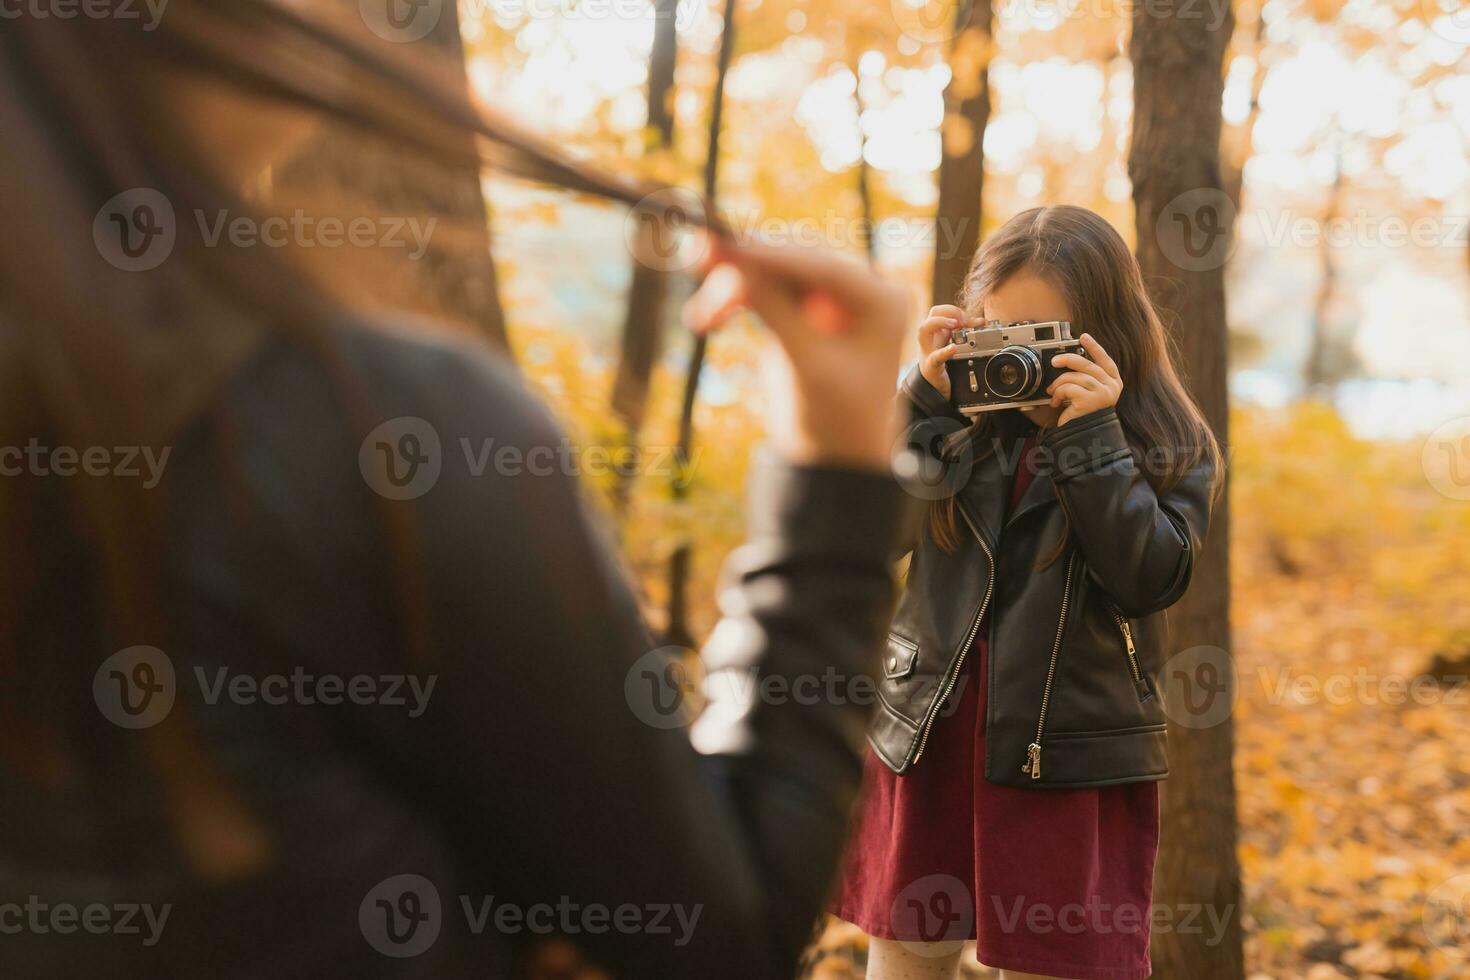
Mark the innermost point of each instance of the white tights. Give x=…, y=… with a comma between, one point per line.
x=892, y=960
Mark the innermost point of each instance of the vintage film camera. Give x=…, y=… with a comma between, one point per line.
x=1007, y=365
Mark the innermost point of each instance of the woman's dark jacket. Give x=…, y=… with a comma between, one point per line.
x=1074, y=644
x=546, y=787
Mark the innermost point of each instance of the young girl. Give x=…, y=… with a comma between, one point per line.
x=1011, y=788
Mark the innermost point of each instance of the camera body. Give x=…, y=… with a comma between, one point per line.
x=1007, y=365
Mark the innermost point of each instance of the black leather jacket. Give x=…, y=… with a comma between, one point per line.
x=1075, y=644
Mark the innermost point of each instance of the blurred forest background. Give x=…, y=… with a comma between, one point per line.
x=1344, y=153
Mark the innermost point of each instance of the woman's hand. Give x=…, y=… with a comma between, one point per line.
x=1090, y=385
x=840, y=327
x=934, y=345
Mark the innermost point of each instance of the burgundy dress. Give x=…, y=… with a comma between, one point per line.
x=1055, y=881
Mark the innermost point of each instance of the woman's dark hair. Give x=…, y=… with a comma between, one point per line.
x=94, y=355
x=1085, y=258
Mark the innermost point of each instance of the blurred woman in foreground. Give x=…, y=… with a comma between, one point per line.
x=164, y=815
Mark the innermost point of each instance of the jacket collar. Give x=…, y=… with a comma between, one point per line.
x=1041, y=492
x=985, y=496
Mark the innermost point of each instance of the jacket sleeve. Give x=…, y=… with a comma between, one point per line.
x=927, y=417
x=1140, y=548
x=550, y=749
x=925, y=400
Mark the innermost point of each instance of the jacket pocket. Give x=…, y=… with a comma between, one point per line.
x=1142, y=683
x=900, y=657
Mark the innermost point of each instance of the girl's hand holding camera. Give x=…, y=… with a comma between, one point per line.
x=1090, y=385
x=934, y=345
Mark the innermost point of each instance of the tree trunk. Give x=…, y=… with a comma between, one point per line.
x=1324, y=355
x=1177, y=64
x=864, y=175
x=677, y=632
x=643, y=325
x=962, y=165
x=342, y=172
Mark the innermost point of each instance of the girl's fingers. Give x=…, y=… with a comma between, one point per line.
x=938, y=357
x=1105, y=360
x=1066, y=393
x=847, y=279
x=719, y=296
x=728, y=288
x=780, y=305
x=934, y=332
x=1085, y=381
x=796, y=289
x=1081, y=365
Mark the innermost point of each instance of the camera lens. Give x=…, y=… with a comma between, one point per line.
x=1013, y=373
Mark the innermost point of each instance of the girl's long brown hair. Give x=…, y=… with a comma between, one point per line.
x=1085, y=258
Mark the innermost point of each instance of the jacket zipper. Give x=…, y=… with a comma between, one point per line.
x=1141, y=683
x=954, y=673
x=1032, y=765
